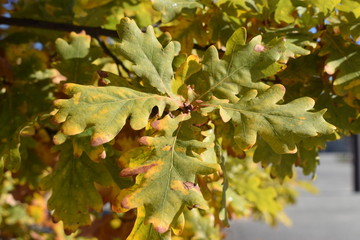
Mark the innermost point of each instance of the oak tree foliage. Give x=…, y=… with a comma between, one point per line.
x=164, y=119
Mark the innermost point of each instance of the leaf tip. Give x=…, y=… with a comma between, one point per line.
x=259, y=48
x=96, y=141
x=67, y=88
x=144, y=140
x=102, y=155
x=161, y=229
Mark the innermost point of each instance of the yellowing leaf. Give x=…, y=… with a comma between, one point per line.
x=325, y=6
x=283, y=11
x=199, y=226
x=106, y=110
x=146, y=231
x=281, y=126
x=186, y=70
x=350, y=6
x=166, y=175
x=187, y=31
x=171, y=8
x=76, y=58
x=152, y=61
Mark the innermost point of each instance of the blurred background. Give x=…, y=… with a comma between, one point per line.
x=333, y=213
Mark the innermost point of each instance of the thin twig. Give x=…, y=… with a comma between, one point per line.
x=114, y=58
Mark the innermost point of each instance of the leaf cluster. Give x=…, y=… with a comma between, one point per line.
x=158, y=133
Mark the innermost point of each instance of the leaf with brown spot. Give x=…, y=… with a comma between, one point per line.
x=151, y=61
x=242, y=67
x=106, y=110
x=164, y=189
x=280, y=125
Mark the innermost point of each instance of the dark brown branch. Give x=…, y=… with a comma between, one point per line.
x=92, y=31
x=26, y=22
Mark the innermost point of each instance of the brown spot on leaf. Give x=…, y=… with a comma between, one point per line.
x=102, y=155
x=144, y=140
x=135, y=171
x=125, y=203
x=259, y=48
x=102, y=74
x=189, y=185
x=156, y=125
x=161, y=229
x=68, y=231
x=98, y=141
x=166, y=148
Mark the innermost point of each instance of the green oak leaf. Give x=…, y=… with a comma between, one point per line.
x=343, y=60
x=20, y=103
x=355, y=126
x=350, y=6
x=73, y=190
x=281, y=126
x=81, y=143
x=187, y=31
x=264, y=198
x=10, y=155
x=152, y=62
x=166, y=174
x=325, y=6
x=76, y=58
x=79, y=46
x=283, y=11
x=106, y=109
x=338, y=113
x=199, y=226
x=242, y=67
x=170, y=9
x=282, y=164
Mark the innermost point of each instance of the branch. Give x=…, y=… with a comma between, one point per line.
x=26, y=22
x=108, y=52
x=92, y=31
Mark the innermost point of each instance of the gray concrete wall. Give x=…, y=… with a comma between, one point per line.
x=333, y=214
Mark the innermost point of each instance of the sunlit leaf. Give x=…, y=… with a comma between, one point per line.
x=152, y=62
x=242, y=66
x=166, y=175
x=106, y=109
x=146, y=231
x=281, y=126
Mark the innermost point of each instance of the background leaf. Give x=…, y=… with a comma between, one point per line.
x=73, y=190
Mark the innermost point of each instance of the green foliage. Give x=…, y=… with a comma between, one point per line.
x=179, y=126
x=73, y=190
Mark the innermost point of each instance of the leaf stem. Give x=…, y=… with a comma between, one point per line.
x=114, y=58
